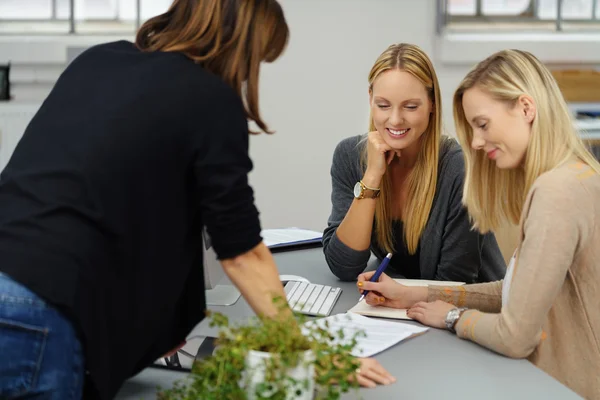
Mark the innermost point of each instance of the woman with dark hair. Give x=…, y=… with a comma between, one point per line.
x=137, y=149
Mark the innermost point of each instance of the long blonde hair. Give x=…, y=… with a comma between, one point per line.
x=230, y=38
x=493, y=195
x=422, y=180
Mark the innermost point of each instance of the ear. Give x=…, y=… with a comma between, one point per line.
x=370, y=95
x=528, y=108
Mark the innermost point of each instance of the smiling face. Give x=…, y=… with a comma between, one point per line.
x=501, y=130
x=400, y=108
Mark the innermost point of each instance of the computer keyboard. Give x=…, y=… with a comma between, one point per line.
x=311, y=298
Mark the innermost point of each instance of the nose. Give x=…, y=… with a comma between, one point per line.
x=477, y=142
x=396, y=119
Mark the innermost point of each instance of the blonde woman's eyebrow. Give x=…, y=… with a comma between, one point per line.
x=380, y=98
x=477, y=117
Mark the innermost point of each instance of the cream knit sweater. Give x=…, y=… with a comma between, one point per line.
x=552, y=315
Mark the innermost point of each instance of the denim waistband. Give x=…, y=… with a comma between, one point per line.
x=13, y=292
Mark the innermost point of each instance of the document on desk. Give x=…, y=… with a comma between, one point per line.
x=274, y=238
x=363, y=308
x=378, y=335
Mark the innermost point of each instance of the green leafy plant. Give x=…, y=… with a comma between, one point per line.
x=225, y=374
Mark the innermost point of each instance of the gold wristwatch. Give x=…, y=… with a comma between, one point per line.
x=362, y=191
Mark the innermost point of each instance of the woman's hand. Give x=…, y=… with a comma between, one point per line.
x=430, y=314
x=379, y=156
x=175, y=350
x=371, y=373
x=389, y=293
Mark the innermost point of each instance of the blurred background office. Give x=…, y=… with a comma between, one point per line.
x=317, y=93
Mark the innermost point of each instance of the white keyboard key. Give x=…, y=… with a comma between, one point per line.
x=312, y=299
x=319, y=302
x=304, y=298
x=290, y=288
x=297, y=294
x=330, y=301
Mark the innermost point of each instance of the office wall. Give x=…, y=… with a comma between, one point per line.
x=314, y=96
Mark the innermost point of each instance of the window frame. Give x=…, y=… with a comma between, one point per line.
x=71, y=19
x=529, y=16
x=558, y=46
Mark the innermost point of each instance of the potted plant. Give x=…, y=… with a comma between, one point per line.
x=271, y=358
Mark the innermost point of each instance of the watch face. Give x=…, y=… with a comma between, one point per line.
x=357, y=190
x=451, y=317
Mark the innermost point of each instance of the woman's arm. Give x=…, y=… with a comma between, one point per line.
x=347, y=238
x=389, y=293
x=255, y=274
x=485, y=297
x=226, y=204
x=553, y=231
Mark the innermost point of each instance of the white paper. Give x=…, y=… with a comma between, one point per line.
x=379, y=334
x=363, y=308
x=424, y=282
x=274, y=237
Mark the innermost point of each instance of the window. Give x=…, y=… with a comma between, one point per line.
x=544, y=15
x=76, y=16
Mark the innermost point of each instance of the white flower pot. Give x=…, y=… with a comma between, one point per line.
x=303, y=374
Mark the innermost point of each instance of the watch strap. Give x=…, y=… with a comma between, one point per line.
x=368, y=192
x=453, y=316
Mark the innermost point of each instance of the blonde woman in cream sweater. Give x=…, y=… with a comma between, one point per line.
x=524, y=162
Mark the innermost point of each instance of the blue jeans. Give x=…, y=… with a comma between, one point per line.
x=40, y=354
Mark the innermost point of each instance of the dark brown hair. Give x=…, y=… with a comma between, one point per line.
x=230, y=38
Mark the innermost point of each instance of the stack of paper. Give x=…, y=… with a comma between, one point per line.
x=396, y=313
x=379, y=335
x=274, y=238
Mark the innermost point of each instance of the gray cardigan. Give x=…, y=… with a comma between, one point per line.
x=449, y=248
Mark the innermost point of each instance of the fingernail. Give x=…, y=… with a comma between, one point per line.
x=360, y=284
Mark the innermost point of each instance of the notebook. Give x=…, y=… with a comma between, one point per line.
x=363, y=308
x=290, y=237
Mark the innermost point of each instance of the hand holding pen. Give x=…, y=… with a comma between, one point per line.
x=384, y=291
x=375, y=276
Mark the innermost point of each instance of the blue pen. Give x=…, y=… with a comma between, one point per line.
x=377, y=273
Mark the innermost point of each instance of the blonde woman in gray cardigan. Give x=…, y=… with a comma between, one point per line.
x=525, y=162
x=415, y=210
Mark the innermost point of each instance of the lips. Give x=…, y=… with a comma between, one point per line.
x=492, y=154
x=397, y=133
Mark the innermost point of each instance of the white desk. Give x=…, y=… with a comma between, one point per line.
x=434, y=365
